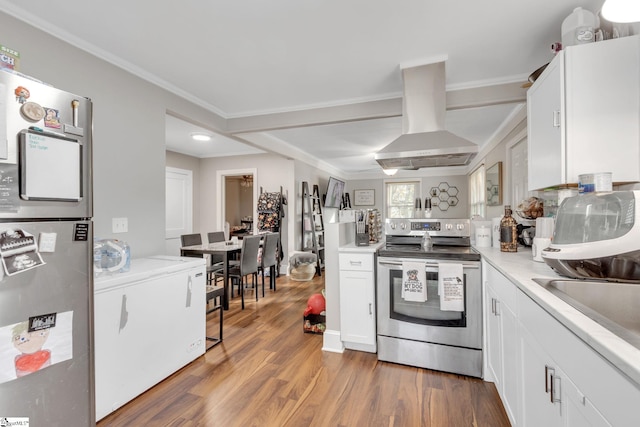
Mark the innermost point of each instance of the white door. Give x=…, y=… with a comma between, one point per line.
x=179, y=207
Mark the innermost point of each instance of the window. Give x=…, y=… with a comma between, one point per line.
x=401, y=197
x=477, y=192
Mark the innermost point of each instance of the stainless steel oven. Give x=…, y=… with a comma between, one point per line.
x=422, y=333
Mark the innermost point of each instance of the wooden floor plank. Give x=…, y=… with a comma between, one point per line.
x=268, y=373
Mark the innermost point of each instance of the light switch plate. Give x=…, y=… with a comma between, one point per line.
x=119, y=225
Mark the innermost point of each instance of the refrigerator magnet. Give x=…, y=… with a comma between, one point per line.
x=22, y=94
x=32, y=111
x=52, y=118
x=47, y=242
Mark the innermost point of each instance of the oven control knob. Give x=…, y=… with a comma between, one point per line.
x=392, y=225
x=460, y=226
x=448, y=226
x=403, y=225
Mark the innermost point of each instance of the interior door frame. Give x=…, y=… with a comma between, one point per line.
x=220, y=194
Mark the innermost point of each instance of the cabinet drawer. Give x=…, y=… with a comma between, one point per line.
x=357, y=262
x=503, y=288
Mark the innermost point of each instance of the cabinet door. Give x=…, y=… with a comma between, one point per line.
x=494, y=341
x=580, y=412
x=603, y=108
x=538, y=375
x=357, y=308
x=546, y=128
x=502, y=345
x=510, y=359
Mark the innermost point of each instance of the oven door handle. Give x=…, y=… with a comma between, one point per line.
x=427, y=264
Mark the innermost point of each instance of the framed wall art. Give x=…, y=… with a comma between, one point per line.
x=364, y=197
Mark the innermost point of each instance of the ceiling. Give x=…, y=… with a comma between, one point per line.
x=317, y=80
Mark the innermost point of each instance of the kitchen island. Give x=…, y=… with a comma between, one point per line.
x=539, y=341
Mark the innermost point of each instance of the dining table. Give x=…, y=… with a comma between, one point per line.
x=229, y=250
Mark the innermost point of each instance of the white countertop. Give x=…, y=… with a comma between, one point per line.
x=520, y=268
x=351, y=247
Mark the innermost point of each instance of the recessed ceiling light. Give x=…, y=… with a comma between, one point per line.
x=200, y=137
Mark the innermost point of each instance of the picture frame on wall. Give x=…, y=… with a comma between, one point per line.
x=364, y=197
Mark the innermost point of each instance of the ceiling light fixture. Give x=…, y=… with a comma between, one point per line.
x=621, y=10
x=247, y=181
x=196, y=136
x=390, y=172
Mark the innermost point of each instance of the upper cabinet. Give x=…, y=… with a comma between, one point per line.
x=584, y=114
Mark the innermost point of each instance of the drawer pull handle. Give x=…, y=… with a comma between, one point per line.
x=355, y=262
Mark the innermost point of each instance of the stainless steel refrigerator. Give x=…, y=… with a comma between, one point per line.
x=46, y=279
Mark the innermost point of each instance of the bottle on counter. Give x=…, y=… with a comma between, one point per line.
x=508, y=232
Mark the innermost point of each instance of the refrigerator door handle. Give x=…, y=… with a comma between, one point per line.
x=189, y=287
x=124, y=314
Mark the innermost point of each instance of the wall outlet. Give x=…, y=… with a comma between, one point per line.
x=119, y=225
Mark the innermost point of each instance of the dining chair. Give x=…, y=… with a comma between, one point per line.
x=248, y=265
x=215, y=237
x=216, y=294
x=196, y=239
x=269, y=259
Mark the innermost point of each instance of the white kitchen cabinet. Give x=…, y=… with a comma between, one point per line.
x=583, y=114
x=502, y=339
x=148, y=324
x=583, y=381
x=527, y=350
x=357, y=300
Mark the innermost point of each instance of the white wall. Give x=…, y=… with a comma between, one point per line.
x=128, y=131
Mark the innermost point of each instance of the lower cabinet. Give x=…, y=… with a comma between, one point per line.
x=545, y=375
x=502, y=340
x=357, y=301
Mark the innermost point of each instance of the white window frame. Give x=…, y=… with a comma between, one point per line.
x=477, y=193
x=409, y=205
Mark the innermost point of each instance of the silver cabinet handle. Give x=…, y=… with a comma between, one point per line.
x=370, y=309
x=355, y=262
x=497, y=312
x=548, y=371
x=556, y=118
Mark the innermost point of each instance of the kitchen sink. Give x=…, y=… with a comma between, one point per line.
x=616, y=306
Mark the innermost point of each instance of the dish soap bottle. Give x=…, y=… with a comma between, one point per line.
x=508, y=232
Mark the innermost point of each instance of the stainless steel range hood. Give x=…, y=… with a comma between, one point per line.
x=424, y=141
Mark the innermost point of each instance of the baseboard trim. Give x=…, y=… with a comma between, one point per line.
x=331, y=342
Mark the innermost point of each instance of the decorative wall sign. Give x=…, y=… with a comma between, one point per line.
x=364, y=197
x=443, y=196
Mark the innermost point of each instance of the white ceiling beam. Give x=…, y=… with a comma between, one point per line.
x=503, y=93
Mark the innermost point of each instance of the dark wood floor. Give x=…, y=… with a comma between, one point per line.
x=267, y=372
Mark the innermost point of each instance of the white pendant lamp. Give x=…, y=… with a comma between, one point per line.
x=621, y=11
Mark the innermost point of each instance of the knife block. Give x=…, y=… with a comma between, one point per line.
x=362, y=239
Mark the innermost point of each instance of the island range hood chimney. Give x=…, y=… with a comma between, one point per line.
x=424, y=142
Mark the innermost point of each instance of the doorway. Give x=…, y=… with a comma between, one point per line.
x=237, y=201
